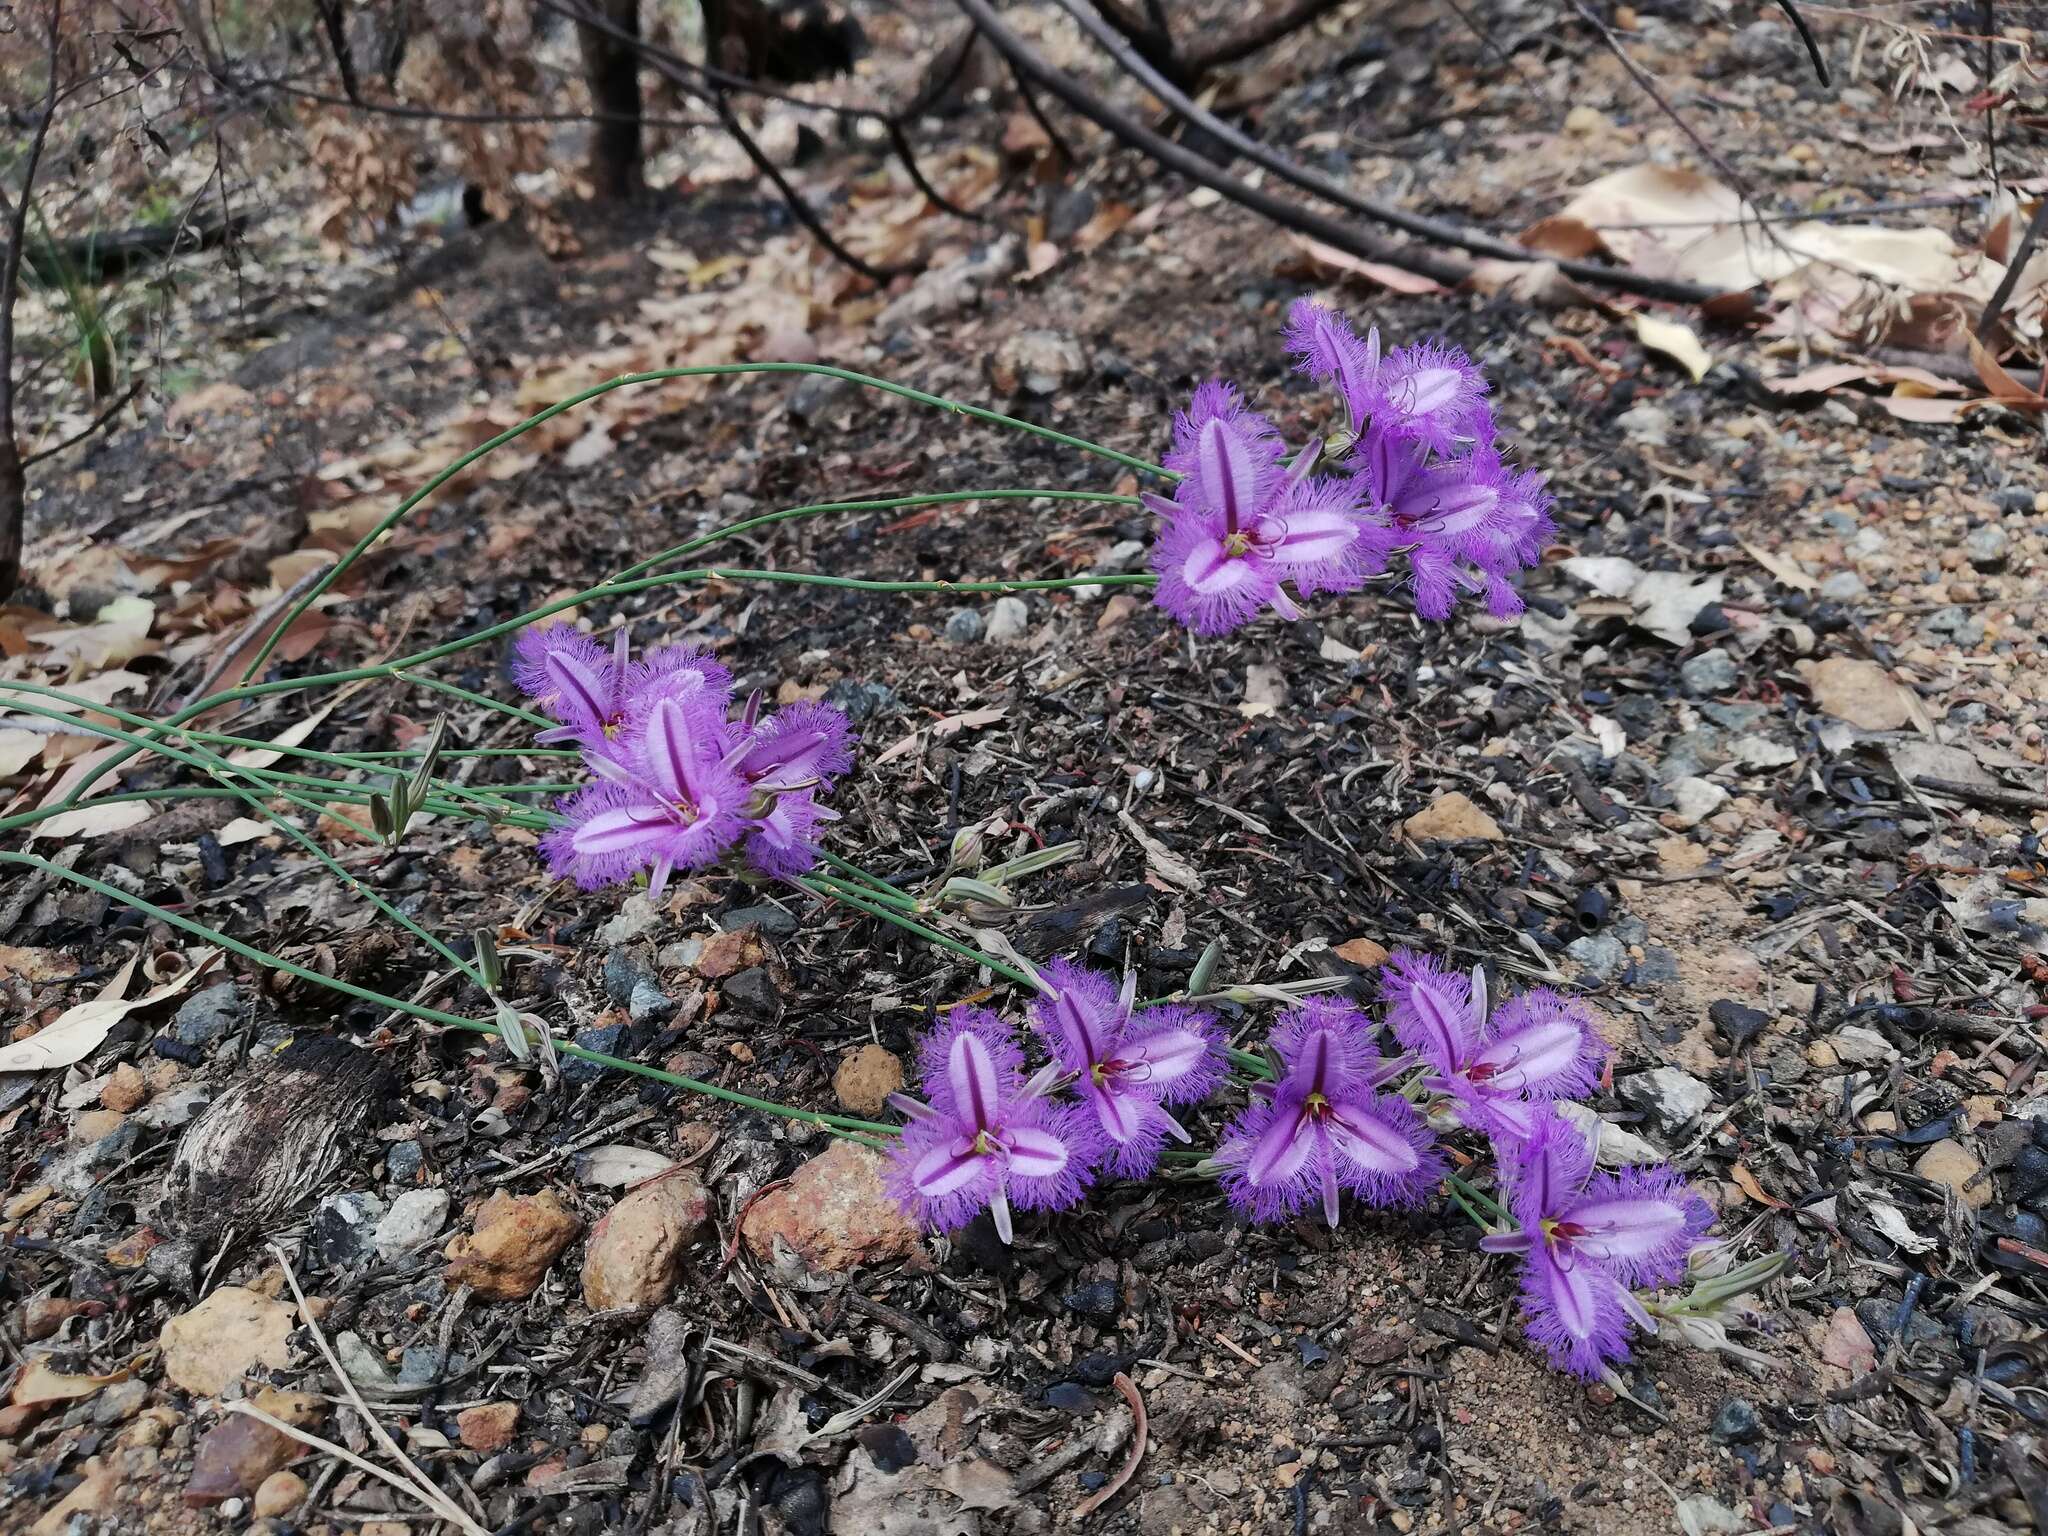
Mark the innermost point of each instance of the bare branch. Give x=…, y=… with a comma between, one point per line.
x=1260, y=32
x=13, y=480
x=1342, y=236
x=120, y=404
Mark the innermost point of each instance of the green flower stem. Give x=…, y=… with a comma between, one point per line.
x=217, y=767
x=894, y=899
x=470, y=696
x=1251, y=1063
x=836, y=1123
x=384, y=670
x=859, y=876
x=1468, y=1196
x=879, y=504
x=846, y=895
x=655, y=376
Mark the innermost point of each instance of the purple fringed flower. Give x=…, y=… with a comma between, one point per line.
x=1324, y=1127
x=1587, y=1239
x=681, y=784
x=783, y=842
x=1329, y=351
x=591, y=690
x=1241, y=522
x=1536, y=1047
x=1433, y=485
x=670, y=799
x=1430, y=393
x=984, y=1138
x=798, y=745
x=1466, y=523
x=1128, y=1066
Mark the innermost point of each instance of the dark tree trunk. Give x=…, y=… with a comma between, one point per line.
x=611, y=66
x=13, y=503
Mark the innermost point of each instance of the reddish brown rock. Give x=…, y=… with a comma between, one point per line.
x=865, y=1079
x=488, y=1427
x=832, y=1216
x=636, y=1253
x=235, y=1458
x=516, y=1238
x=124, y=1090
x=726, y=953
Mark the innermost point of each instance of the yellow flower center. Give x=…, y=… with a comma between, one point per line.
x=1237, y=543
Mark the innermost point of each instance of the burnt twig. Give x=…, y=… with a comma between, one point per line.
x=1343, y=237
x=86, y=431
x=13, y=479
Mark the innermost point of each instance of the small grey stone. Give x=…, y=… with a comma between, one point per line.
x=682, y=955
x=1762, y=752
x=2015, y=501
x=402, y=1164
x=1670, y=1100
x=1071, y=208
x=816, y=394
x=421, y=1365
x=1709, y=673
x=1695, y=799
x=344, y=1228
x=964, y=627
x=78, y=1171
x=858, y=701
x=1736, y=1421
x=1856, y=1046
x=649, y=1001
x=180, y=1107
x=1690, y=754
x=1986, y=547
x=624, y=970
x=174, y=1265
x=767, y=917
x=1007, y=621
x=604, y=1038
x=752, y=989
x=1764, y=42
x=1600, y=953
x=1865, y=542
x=1037, y=362
x=206, y=1016
x=120, y=1403
x=414, y=1220
x=1842, y=586
x=1657, y=964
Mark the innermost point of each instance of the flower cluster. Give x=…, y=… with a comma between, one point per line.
x=682, y=781
x=1418, y=474
x=986, y=1137
x=1329, y=1120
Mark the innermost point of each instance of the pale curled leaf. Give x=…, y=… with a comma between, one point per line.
x=77, y=1032
x=1675, y=341
x=96, y=820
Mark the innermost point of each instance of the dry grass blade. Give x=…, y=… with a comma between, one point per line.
x=1128, y=1470
x=420, y=1484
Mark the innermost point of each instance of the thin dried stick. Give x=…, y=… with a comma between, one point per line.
x=1116, y=1484
x=342, y=1452
x=446, y=1507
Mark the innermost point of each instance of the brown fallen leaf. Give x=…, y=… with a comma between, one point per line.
x=39, y=1384
x=1399, y=279
x=1746, y=1182
x=939, y=730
